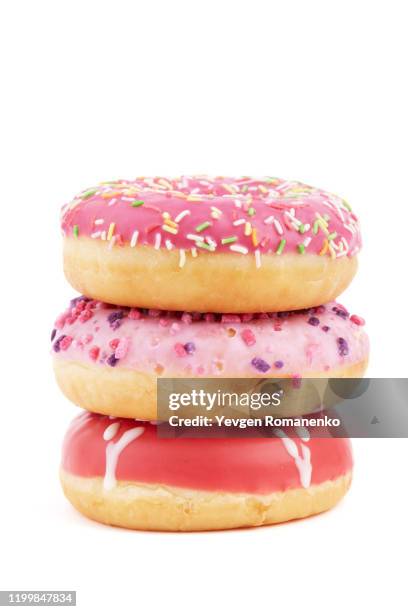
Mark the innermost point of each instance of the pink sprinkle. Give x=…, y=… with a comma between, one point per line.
x=180, y=350
x=60, y=322
x=85, y=316
x=65, y=343
x=134, y=314
x=357, y=320
x=248, y=337
x=87, y=339
x=114, y=343
x=94, y=352
x=247, y=317
x=187, y=318
x=164, y=322
x=230, y=318
x=209, y=317
x=123, y=348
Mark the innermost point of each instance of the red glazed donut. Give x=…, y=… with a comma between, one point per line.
x=118, y=471
x=107, y=359
x=210, y=244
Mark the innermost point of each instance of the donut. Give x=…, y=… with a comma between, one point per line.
x=120, y=472
x=207, y=244
x=107, y=358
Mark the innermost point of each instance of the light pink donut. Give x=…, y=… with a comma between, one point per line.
x=210, y=244
x=107, y=358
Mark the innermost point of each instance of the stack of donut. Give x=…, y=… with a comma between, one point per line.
x=201, y=277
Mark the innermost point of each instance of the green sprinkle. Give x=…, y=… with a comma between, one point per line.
x=204, y=245
x=301, y=248
x=281, y=246
x=137, y=203
x=89, y=193
x=251, y=211
x=202, y=226
x=75, y=231
x=316, y=226
x=332, y=236
x=229, y=240
x=244, y=188
x=301, y=228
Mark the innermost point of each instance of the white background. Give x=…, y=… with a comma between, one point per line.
x=315, y=91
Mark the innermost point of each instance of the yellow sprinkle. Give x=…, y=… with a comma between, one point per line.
x=194, y=198
x=110, y=194
x=229, y=188
x=262, y=188
x=216, y=210
x=248, y=229
x=255, y=240
x=166, y=215
x=171, y=223
x=165, y=183
x=325, y=247
x=171, y=230
x=110, y=231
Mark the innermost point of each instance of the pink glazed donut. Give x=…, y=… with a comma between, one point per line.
x=121, y=472
x=210, y=244
x=107, y=358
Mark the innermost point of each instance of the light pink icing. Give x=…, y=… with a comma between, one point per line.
x=239, y=215
x=163, y=343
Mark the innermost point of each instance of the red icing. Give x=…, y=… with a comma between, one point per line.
x=258, y=466
x=106, y=212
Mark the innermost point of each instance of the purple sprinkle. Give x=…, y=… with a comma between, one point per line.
x=53, y=334
x=112, y=360
x=343, y=347
x=278, y=364
x=56, y=345
x=325, y=328
x=189, y=347
x=115, y=318
x=260, y=364
x=313, y=321
x=340, y=312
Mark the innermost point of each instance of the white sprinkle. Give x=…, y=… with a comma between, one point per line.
x=157, y=241
x=169, y=245
x=239, y=222
x=194, y=237
x=307, y=241
x=99, y=221
x=127, y=199
x=111, y=431
x=112, y=201
x=182, y=259
x=96, y=235
x=278, y=227
x=238, y=203
x=194, y=252
x=238, y=248
x=306, y=227
x=345, y=243
x=103, y=235
x=269, y=220
x=350, y=228
x=135, y=236
x=258, y=261
x=181, y=215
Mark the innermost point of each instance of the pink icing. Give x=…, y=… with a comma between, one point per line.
x=240, y=215
x=191, y=344
x=258, y=465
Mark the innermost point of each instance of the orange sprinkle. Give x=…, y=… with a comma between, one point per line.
x=255, y=240
x=325, y=247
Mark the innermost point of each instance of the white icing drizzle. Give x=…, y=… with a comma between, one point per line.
x=303, y=461
x=113, y=451
x=111, y=431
